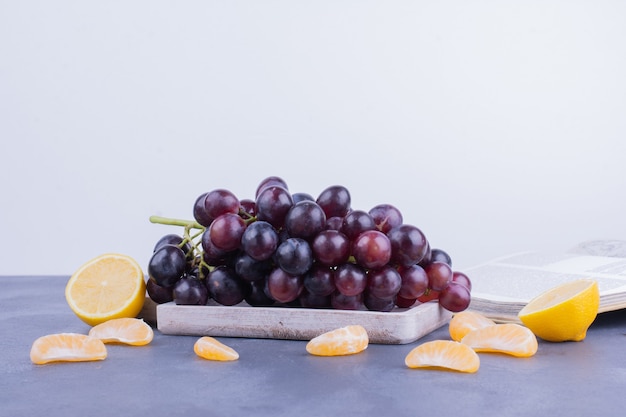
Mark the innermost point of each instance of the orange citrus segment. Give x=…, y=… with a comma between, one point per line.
x=126, y=330
x=107, y=287
x=509, y=338
x=464, y=322
x=67, y=347
x=443, y=354
x=563, y=313
x=346, y=340
x=212, y=349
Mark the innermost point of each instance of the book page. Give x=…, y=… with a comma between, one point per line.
x=520, y=277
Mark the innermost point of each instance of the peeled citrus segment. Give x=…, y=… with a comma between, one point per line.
x=346, y=340
x=126, y=330
x=464, y=322
x=67, y=347
x=563, y=313
x=443, y=354
x=212, y=349
x=509, y=338
x=107, y=287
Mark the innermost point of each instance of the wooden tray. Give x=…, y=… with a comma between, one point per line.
x=395, y=327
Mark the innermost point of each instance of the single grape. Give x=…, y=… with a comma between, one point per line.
x=319, y=280
x=340, y=301
x=248, y=207
x=167, y=265
x=372, y=249
x=463, y=279
x=173, y=239
x=284, y=287
x=218, y=202
x=455, y=297
x=374, y=303
x=226, y=231
x=439, y=255
x=250, y=269
x=384, y=283
x=408, y=245
x=200, y=212
x=331, y=247
x=189, y=290
x=310, y=300
x=158, y=294
x=272, y=205
x=439, y=275
x=298, y=197
x=402, y=302
x=294, y=256
x=386, y=217
x=260, y=240
x=414, y=282
x=305, y=219
x=270, y=181
x=335, y=201
x=357, y=222
x=429, y=295
x=257, y=297
x=334, y=223
x=350, y=279
x=226, y=287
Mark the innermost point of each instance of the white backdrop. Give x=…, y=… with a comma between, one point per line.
x=495, y=126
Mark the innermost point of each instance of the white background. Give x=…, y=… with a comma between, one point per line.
x=495, y=126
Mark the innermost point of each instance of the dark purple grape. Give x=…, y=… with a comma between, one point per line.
x=212, y=254
x=414, y=282
x=335, y=201
x=173, y=239
x=357, y=222
x=350, y=279
x=218, y=202
x=260, y=240
x=439, y=255
x=374, y=303
x=455, y=297
x=463, y=279
x=257, y=297
x=408, y=245
x=189, y=290
x=341, y=301
x=284, y=287
x=439, y=275
x=310, y=300
x=305, y=220
x=331, y=247
x=268, y=182
x=226, y=287
x=386, y=217
x=272, y=205
x=294, y=256
x=226, y=231
x=334, y=223
x=319, y=280
x=402, y=302
x=199, y=211
x=298, y=197
x=372, y=249
x=167, y=265
x=158, y=294
x=250, y=269
x=384, y=283
x=247, y=206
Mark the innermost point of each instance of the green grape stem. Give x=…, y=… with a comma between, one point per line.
x=176, y=222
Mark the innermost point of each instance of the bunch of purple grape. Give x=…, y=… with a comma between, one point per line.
x=291, y=249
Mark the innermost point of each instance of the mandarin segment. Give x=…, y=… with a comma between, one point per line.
x=464, y=322
x=126, y=330
x=106, y=287
x=508, y=338
x=443, y=354
x=212, y=349
x=346, y=340
x=67, y=347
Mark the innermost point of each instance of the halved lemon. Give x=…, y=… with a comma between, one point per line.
x=107, y=287
x=563, y=313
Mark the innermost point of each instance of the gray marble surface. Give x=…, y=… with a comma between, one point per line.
x=278, y=378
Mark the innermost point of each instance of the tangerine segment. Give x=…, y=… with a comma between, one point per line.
x=212, y=349
x=464, y=322
x=509, y=338
x=346, y=340
x=126, y=330
x=106, y=287
x=67, y=347
x=443, y=354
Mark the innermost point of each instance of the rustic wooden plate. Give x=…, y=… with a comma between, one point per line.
x=399, y=326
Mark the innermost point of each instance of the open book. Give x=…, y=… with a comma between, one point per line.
x=503, y=286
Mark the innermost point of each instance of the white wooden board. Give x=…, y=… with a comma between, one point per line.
x=395, y=327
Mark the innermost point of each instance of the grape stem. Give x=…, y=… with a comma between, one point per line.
x=176, y=222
